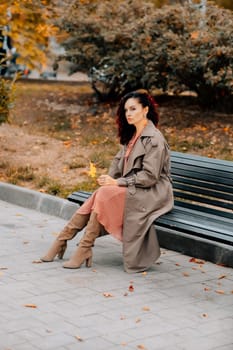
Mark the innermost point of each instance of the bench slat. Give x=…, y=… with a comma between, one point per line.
x=204, y=209
x=203, y=191
x=191, y=217
x=201, y=161
x=179, y=179
x=208, y=176
x=210, y=201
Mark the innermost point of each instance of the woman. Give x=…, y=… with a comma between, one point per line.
x=136, y=191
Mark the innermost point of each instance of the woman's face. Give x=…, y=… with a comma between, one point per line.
x=135, y=113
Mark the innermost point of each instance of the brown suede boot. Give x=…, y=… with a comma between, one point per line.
x=84, y=251
x=75, y=224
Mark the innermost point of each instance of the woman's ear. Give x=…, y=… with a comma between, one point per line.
x=146, y=109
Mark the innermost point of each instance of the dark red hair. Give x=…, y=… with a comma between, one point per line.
x=125, y=130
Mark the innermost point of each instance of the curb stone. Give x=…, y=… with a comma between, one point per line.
x=42, y=202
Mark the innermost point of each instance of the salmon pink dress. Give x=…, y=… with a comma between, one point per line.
x=108, y=202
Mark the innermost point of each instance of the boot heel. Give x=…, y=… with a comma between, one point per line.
x=62, y=251
x=89, y=262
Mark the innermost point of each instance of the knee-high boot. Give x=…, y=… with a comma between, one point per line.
x=84, y=250
x=74, y=225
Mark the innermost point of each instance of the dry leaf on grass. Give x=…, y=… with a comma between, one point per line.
x=67, y=143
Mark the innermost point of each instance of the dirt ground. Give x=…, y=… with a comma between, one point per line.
x=56, y=130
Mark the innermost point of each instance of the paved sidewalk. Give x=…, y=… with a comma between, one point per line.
x=177, y=305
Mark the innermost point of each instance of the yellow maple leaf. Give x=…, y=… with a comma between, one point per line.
x=92, y=171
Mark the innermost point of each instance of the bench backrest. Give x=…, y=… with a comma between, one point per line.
x=203, y=183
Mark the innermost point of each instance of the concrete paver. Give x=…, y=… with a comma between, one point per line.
x=176, y=305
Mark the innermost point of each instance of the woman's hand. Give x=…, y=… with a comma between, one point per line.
x=106, y=180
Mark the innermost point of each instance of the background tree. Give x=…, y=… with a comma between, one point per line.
x=30, y=24
x=133, y=45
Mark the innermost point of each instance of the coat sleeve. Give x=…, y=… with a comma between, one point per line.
x=151, y=166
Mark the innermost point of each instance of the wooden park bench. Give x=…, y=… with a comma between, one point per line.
x=201, y=223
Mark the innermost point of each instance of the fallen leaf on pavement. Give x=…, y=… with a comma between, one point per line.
x=146, y=308
x=186, y=274
x=141, y=347
x=131, y=288
x=33, y=306
x=222, y=276
x=197, y=261
x=78, y=338
x=219, y=291
x=37, y=262
x=107, y=295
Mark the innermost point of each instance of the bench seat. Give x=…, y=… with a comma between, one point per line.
x=202, y=218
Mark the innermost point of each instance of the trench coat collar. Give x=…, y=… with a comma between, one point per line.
x=139, y=149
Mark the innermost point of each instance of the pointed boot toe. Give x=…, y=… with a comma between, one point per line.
x=58, y=248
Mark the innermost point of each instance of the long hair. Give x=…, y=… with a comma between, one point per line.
x=125, y=130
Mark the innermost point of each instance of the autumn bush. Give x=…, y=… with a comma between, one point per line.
x=132, y=44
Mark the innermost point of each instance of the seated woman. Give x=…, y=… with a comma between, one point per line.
x=136, y=191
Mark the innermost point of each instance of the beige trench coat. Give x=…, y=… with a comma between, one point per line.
x=149, y=195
